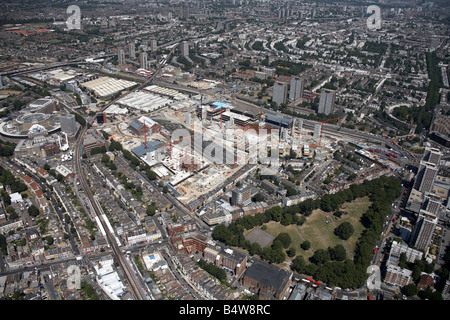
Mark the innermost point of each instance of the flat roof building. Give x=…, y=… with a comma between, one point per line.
x=423, y=231
x=278, y=120
x=425, y=176
x=107, y=86
x=397, y=276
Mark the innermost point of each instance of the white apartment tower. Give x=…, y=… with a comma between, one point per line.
x=131, y=51
x=143, y=60
x=121, y=56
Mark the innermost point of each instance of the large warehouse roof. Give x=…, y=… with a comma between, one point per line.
x=106, y=86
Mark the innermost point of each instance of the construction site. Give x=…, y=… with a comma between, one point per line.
x=194, y=146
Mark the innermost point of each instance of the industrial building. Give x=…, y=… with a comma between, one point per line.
x=68, y=123
x=278, y=121
x=104, y=87
x=143, y=101
x=108, y=279
x=166, y=92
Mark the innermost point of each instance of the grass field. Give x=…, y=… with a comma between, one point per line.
x=355, y=211
x=320, y=233
x=6, y=93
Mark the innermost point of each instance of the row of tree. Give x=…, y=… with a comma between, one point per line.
x=7, y=148
x=7, y=178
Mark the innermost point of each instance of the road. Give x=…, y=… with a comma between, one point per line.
x=52, y=66
x=14, y=166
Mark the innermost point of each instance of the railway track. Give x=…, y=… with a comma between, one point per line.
x=128, y=272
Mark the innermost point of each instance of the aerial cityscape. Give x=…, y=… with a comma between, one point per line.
x=226, y=150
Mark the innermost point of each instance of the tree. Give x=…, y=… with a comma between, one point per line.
x=33, y=211
x=300, y=220
x=321, y=256
x=285, y=239
x=298, y=264
x=49, y=240
x=344, y=230
x=258, y=197
x=291, y=252
x=286, y=219
x=105, y=158
x=305, y=245
x=410, y=290
x=276, y=213
x=255, y=249
x=337, y=253
x=151, y=209
x=151, y=175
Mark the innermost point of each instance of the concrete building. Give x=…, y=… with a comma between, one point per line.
x=398, y=248
x=43, y=105
x=68, y=123
x=241, y=196
x=425, y=176
x=131, y=51
x=121, y=56
x=317, y=131
x=299, y=125
x=269, y=282
x=432, y=155
x=326, y=102
x=153, y=44
x=185, y=49
x=93, y=140
x=269, y=71
x=279, y=95
x=423, y=230
x=397, y=276
x=143, y=60
x=185, y=13
x=296, y=89
x=188, y=119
